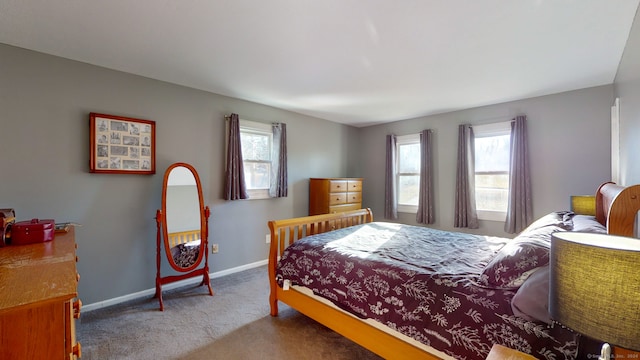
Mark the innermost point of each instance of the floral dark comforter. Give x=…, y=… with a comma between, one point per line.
x=423, y=283
x=185, y=255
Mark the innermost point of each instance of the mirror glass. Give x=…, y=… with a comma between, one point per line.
x=183, y=212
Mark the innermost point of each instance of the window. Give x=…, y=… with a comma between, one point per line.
x=492, y=149
x=408, y=172
x=257, y=143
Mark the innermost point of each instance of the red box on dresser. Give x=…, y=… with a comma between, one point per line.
x=32, y=231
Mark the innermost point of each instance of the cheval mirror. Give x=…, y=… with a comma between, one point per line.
x=183, y=225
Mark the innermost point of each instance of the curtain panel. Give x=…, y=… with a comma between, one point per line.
x=234, y=185
x=279, y=185
x=426, y=211
x=520, y=207
x=390, y=201
x=465, y=201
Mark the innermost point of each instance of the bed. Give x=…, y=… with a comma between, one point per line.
x=185, y=247
x=477, y=307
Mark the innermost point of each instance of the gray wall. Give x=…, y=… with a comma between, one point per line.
x=44, y=139
x=45, y=103
x=569, y=146
x=627, y=88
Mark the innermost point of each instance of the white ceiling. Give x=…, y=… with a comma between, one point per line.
x=358, y=62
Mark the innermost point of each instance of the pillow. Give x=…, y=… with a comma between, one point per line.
x=531, y=301
x=587, y=223
x=557, y=218
x=513, y=264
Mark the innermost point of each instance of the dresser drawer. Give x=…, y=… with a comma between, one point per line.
x=338, y=186
x=343, y=208
x=354, y=197
x=337, y=198
x=354, y=185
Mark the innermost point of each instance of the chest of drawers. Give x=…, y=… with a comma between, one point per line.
x=38, y=305
x=332, y=195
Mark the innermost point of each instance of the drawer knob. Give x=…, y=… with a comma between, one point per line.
x=77, y=350
x=77, y=305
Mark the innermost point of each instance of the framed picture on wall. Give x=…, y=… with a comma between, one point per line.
x=122, y=145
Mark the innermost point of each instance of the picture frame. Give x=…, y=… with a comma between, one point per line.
x=122, y=145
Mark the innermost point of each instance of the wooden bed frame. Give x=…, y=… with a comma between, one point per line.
x=183, y=237
x=616, y=208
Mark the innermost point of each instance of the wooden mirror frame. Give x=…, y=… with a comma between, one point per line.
x=203, y=218
x=163, y=233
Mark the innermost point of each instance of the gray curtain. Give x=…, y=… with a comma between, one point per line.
x=234, y=185
x=390, y=203
x=279, y=186
x=426, y=212
x=520, y=209
x=465, y=207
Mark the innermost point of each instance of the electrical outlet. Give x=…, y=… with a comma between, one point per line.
x=214, y=248
x=268, y=238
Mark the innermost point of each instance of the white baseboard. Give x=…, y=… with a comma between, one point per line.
x=177, y=284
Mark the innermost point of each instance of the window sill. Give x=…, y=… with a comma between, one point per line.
x=487, y=215
x=410, y=209
x=258, y=194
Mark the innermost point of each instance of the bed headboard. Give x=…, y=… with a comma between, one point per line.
x=617, y=206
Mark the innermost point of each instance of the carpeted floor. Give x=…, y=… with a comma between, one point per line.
x=233, y=324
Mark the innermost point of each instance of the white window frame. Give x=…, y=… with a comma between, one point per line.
x=247, y=126
x=490, y=130
x=404, y=140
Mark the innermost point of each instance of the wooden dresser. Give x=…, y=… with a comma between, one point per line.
x=332, y=195
x=38, y=305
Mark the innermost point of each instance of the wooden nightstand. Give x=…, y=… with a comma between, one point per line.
x=499, y=352
x=621, y=353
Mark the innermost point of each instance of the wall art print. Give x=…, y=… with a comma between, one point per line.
x=122, y=145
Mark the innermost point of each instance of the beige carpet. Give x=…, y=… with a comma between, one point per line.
x=233, y=324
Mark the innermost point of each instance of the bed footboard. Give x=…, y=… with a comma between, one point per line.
x=285, y=232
